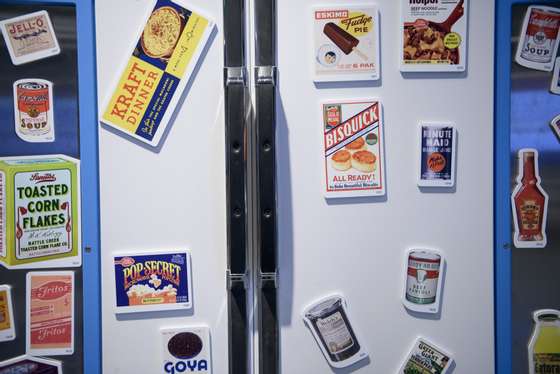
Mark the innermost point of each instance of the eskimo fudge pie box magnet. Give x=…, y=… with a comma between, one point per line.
x=30, y=37
x=39, y=212
x=149, y=86
x=152, y=281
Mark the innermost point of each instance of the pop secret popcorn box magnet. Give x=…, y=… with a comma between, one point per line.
x=143, y=100
x=353, y=149
x=39, y=212
x=152, y=281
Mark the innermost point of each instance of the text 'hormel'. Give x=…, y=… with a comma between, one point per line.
x=351, y=127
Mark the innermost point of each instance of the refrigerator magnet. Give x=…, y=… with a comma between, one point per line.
x=30, y=37
x=33, y=110
x=353, y=148
x=529, y=203
x=152, y=281
x=186, y=349
x=328, y=321
x=30, y=365
x=426, y=357
x=423, y=280
x=149, y=85
x=50, y=313
x=544, y=345
x=346, y=43
x=555, y=125
x=7, y=327
x=538, y=42
x=555, y=83
x=434, y=36
x=438, y=146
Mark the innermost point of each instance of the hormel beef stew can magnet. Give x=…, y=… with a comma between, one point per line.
x=423, y=281
x=538, y=42
x=330, y=325
x=186, y=350
x=353, y=149
x=33, y=110
x=152, y=281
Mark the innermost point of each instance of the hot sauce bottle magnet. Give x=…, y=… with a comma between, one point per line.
x=346, y=43
x=186, y=349
x=423, y=281
x=152, y=281
x=434, y=35
x=538, y=42
x=30, y=37
x=529, y=203
x=425, y=357
x=438, y=145
x=30, y=365
x=50, y=313
x=544, y=346
x=33, y=110
x=328, y=321
x=7, y=327
x=353, y=147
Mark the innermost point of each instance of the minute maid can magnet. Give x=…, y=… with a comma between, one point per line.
x=152, y=281
x=438, y=144
x=149, y=86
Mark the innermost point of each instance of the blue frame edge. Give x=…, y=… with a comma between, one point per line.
x=89, y=156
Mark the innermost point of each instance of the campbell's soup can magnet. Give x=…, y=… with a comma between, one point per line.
x=33, y=110
x=538, y=42
x=423, y=281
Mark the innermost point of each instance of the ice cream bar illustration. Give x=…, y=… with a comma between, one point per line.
x=343, y=40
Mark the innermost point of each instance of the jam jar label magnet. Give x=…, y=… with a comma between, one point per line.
x=328, y=321
x=346, y=43
x=425, y=357
x=438, y=145
x=30, y=37
x=152, y=281
x=423, y=280
x=33, y=110
x=186, y=349
x=7, y=328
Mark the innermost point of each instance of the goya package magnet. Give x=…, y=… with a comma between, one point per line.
x=438, y=144
x=142, y=101
x=152, y=281
x=39, y=212
x=353, y=148
x=186, y=350
x=30, y=37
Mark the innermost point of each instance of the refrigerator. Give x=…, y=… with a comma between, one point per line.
x=238, y=181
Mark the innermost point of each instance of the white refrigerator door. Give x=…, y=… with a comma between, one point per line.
x=356, y=246
x=170, y=199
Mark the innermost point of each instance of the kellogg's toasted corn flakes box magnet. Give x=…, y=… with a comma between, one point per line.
x=7, y=328
x=30, y=37
x=353, y=148
x=40, y=212
x=434, y=35
x=152, y=281
x=167, y=49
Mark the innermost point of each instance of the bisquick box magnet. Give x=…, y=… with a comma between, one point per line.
x=149, y=86
x=40, y=212
x=152, y=281
x=186, y=350
x=30, y=37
